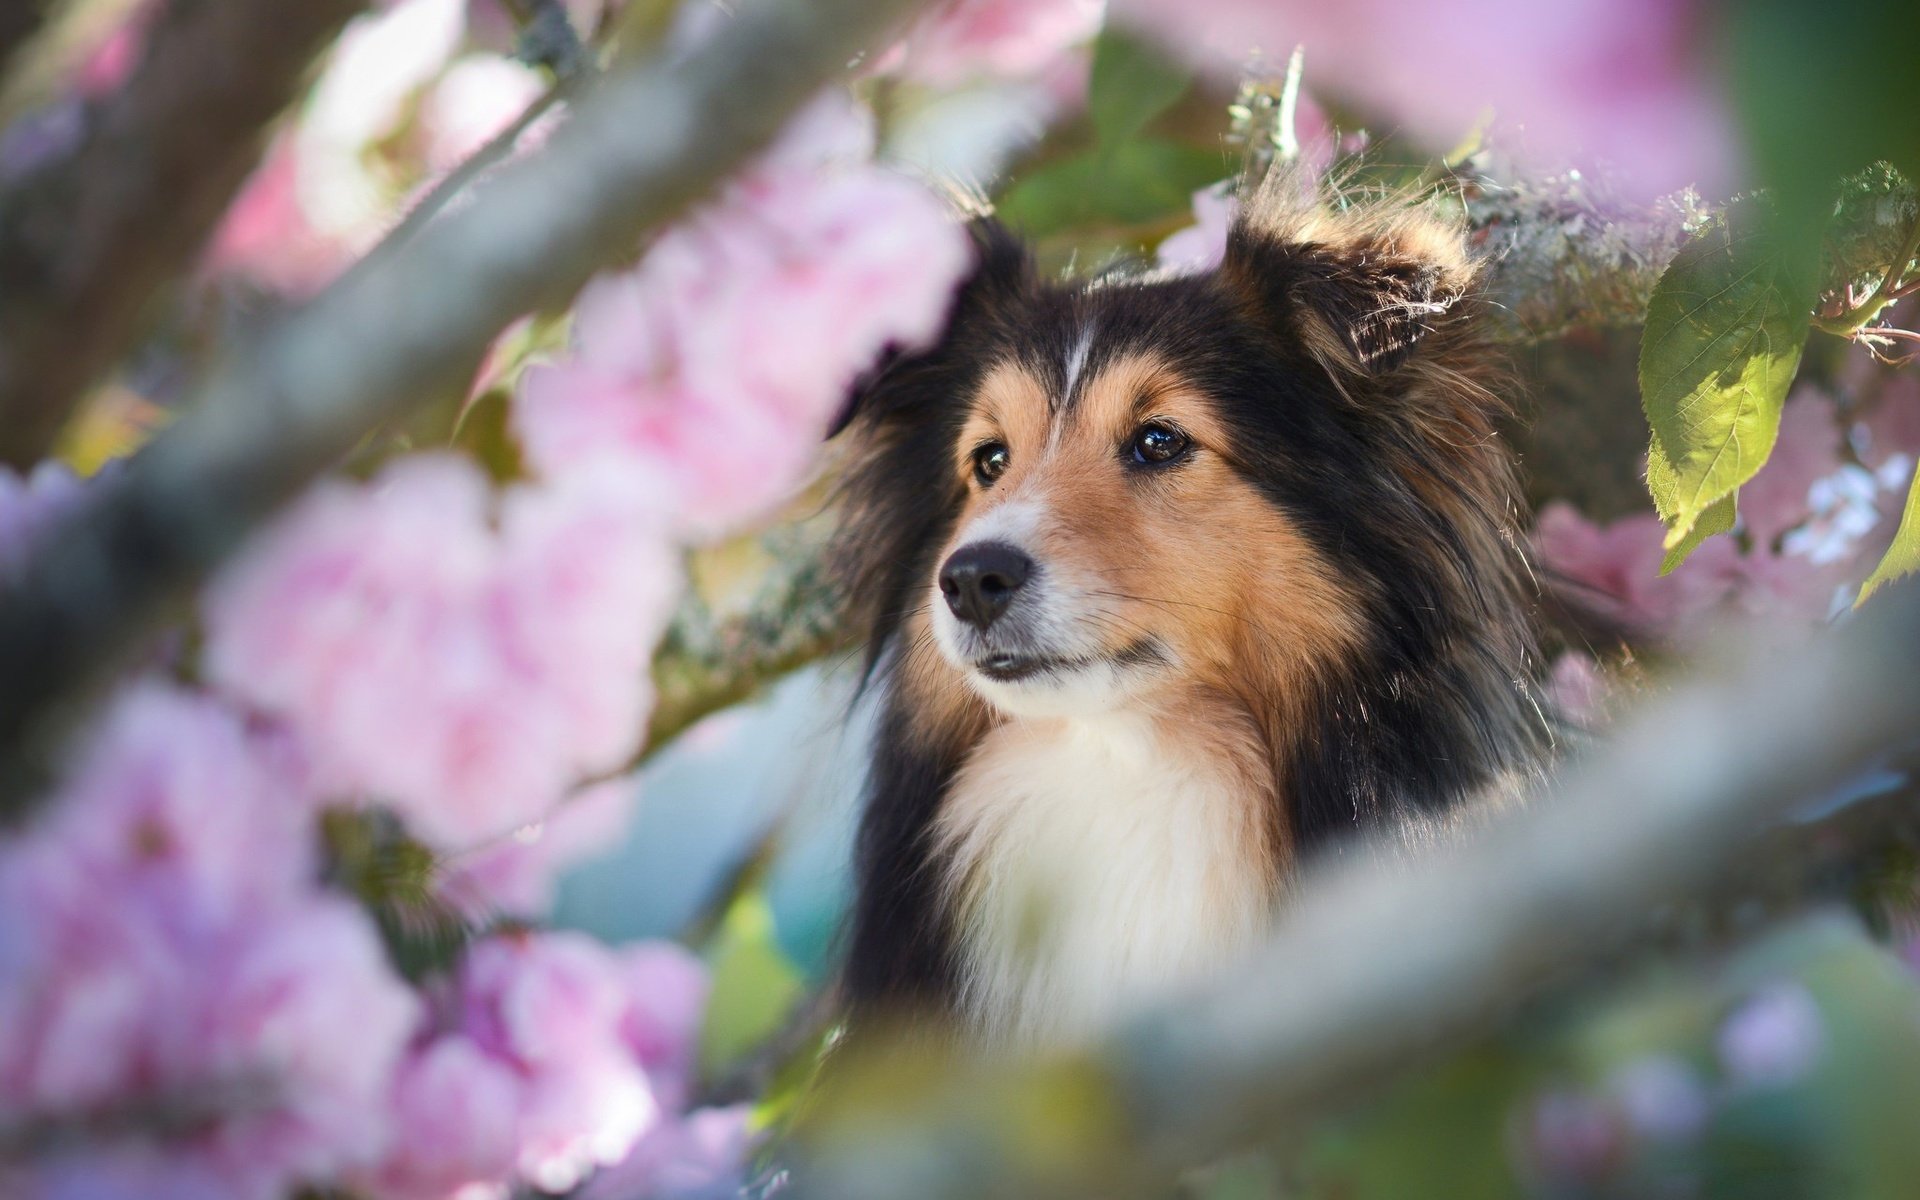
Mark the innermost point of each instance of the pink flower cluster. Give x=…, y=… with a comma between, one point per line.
x=174, y=988
x=461, y=660
x=552, y=1056
x=716, y=364
x=1625, y=83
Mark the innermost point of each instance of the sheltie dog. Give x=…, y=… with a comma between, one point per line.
x=1171, y=582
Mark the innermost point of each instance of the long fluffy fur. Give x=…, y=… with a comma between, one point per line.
x=1339, y=343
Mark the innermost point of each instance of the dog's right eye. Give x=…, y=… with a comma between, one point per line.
x=990, y=462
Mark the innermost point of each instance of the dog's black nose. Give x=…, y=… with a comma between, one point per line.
x=979, y=581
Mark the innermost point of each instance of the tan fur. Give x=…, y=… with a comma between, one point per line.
x=1192, y=556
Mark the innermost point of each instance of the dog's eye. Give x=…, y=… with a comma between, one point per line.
x=1158, y=445
x=990, y=462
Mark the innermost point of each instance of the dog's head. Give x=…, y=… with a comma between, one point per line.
x=1097, y=495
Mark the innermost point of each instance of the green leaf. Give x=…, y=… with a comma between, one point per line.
x=1133, y=82
x=1136, y=183
x=1718, y=518
x=1903, y=557
x=1724, y=332
x=754, y=985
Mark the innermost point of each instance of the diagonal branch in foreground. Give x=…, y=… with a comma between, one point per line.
x=1379, y=965
x=644, y=143
x=88, y=239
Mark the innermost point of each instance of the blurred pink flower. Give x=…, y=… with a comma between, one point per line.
x=715, y=365
x=666, y=988
x=564, y=1051
x=461, y=664
x=701, y=1156
x=1627, y=83
x=455, y=1121
x=163, y=948
x=476, y=98
x=517, y=874
x=265, y=235
x=1807, y=450
x=958, y=40
x=1200, y=246
x=1578, y=688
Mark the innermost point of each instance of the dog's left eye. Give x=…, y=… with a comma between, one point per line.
x=1158, y=445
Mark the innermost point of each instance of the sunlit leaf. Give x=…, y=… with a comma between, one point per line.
x=1718, y=518
x=1903, y=557
x=1724, y=332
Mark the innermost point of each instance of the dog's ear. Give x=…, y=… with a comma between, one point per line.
x=1002, y=271
x=1361, y=287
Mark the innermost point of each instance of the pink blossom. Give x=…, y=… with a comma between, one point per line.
x=552, y=1056
x=1617, y=567
x=456, y=1122
x=1200, y=246
x=715, y=365
x=960, y=39
x=517, y=874
x=477, y=98
x=1586, y=82
x=1578, y=688
x=463, y=665
x=701, y=1156
x=666, y=989
x=1807, y=449
x=163, y=946
x=266, y=237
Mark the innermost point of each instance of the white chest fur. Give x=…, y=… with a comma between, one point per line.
x=1097, y=864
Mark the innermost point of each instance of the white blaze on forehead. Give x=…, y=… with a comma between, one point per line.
x=1077, y=358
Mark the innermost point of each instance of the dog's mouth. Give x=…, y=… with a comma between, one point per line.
x=1012, y=668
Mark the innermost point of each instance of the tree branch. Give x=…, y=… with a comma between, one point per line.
x=1380, y=963
x=87, y=240
x=644, y=143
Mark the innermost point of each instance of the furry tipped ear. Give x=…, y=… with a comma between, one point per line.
x=1002, y=270
x=1362, y=286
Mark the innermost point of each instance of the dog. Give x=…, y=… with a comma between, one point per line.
x=1170, y=583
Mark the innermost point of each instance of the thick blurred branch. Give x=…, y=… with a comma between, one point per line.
x=89, y=238
x=1380, y=963
x=645, y=142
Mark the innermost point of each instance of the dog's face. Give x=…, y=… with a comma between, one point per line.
x=1111, y=548
x=1090, y=497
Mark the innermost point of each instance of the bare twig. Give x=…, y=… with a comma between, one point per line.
x=87, y=240
x=1380, y=964
x=644, y=143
